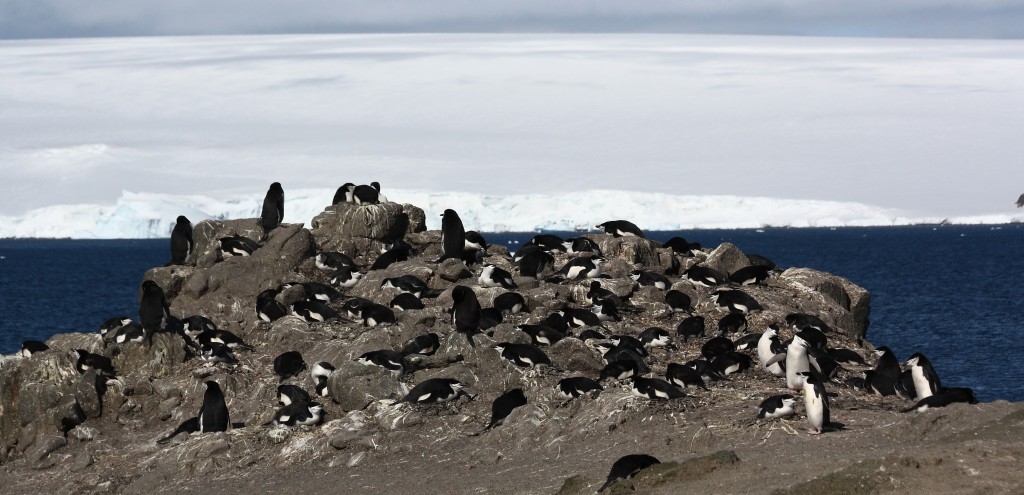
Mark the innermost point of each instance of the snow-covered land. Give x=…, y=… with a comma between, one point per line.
x=143, y=215
x=518, y=131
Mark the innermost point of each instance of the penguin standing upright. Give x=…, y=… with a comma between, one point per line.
x=181, y=241
x=273, y=209
x=465, y=312
x=816, y=404
x=926, y=380
x=453, y=235
x=153, y=309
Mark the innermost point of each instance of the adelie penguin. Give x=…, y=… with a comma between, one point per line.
x=110, y=327
x=541, y=334
x=216, y=352
x=291, y=394
x=321, y=372
x=535, y=264
x=492, y=276
x=621, y=228
x=577, y=386
x=465, y=312
x=750, y=275
x=30, y=347
x=736, y=301
x=314, y=311
x=273, y=209
x=330, y=261
x=522, y=355
x=236, y=245
x=693, y=326
x=703, y=276
x=366, y=194
x=299, y=414
x=385, y=358
x=655, y=388
x=684, y=376
x=153, y=310
x=655, y=337
x=425, y=345
x=344, y=194
x=288, y=364
x=582, y=267
x=650, y=279
x=678, y=301
x=181, y=241
x=453, y=236
x=435, y=390
x=268, y=308
x=345, y=277
x=628, y=466
x=776, y=406
x=511, y=302
x=405, y=302
x=213, y=415
x=503, y=406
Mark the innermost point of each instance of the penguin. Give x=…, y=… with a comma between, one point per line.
x=492, y=276
x=679, y=246
x=522, y=355
x=222, y=337
x=577, y=386
x=405, y=302
x=655, y=337
x=678, y=301
x=797, y=363
x=816, y=404
x=582, y=267
x=512, y=302
x=268, y=308
x=776, y=406
x=548, y=242
x=273, y=209
x=330, y=261
x=624, y=353
x=30, y=347
x=213, y=414
x=736, y=301
x=435, y=390
x=490, y=318
x=197, y=324
x=650, y=279
x=581, y=245
x=291, y=394
x=465, y=312
x=926, y=380
x=621, y=228
x=703, y=276
x=847, y=357
x=181, y=241
x=768, y=347
x=747, y=342
x=703, y=367
x=535, y=264
x=758, y=260
x=299, y=414
x=824, y=366
x=320, y=372
x=732, y=323
x=406, y=284
x=576, y=317
x=541, y=334
x=400, y=251
x=475, y=242
x=288, y=364
x=345, y=277
x=132, y=332
x=344, y=194
x=620, y=369
x=113, y=324
x=317, y=291
x=693, y=326
x=453, y=235
x=314, y=311
x=943, y=398
x=596, y=293
x=606, y=310
x=628, y=342
x=376, y=314
x=655, y=388
x=905, y=385
x=886, y=373
x=750, y=275
x=716, y=346
x=684, y=376
x=426, y=345
x=503, y=406
x=589, y=334
x=390, y=360
x=236, y=245
x=216, y=352
x=365, y=195
x=799, y=321
x=628, y=466
x=730, y=362
x=153, y=310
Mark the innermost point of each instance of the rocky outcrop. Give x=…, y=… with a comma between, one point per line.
x=100, y=434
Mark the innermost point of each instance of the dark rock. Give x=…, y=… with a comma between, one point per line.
x=726, y=258
x=357, y=230
x=45, y=445
x=354, y=386
x=453, y=270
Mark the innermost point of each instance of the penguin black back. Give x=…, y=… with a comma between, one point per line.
x=453, y=235
x=288, y=364
x=465, y=312
x=273, y=209
x=181, y=241
x=213, y=416
x=153, y=312
x=503, y=406
x=627, y=467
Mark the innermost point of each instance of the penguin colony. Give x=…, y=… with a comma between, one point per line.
x=654, y=364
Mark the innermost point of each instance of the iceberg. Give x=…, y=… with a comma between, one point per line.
x=150, y=215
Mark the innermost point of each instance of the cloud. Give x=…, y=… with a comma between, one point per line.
x=895, y=18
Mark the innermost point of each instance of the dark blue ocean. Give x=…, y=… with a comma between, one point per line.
x=952, y=292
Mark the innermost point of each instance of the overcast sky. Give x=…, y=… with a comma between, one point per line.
x=888, y=18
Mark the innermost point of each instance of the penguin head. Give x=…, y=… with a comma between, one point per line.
x=183, y=220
